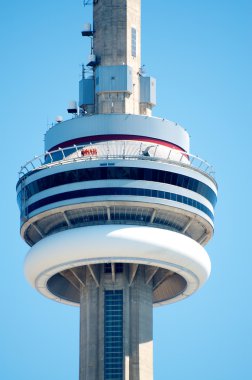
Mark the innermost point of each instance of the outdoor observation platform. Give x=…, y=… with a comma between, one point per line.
x=116, y=182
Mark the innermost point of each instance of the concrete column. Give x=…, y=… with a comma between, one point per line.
x=141, y=328
x=113, y=20
x=89, y=332
x=137, y=325
x=117, y=42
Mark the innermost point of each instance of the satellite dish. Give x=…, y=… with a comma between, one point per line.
x=59, y=119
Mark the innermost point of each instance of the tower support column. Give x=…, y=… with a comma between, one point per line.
x=116, y=326
x=89, y=335
x=141, y=328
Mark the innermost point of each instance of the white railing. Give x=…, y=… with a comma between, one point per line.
x=112, y=150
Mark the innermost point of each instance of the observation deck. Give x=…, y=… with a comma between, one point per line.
x=116, y=182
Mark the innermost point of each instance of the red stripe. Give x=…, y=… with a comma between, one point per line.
x=99, y=138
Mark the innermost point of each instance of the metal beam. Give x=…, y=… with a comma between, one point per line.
x=66, y=219
x=160, y=277
x=81, y=273
x=71, y=278
x=153, y=216
x=77, y=273
x=113, y=272
x=38, y=230
x=132, y=273
x=202, y=238
x=94, y=270
x=149, y=273
x=187, y=226
x=108, y=213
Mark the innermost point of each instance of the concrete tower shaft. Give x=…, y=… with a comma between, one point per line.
x=116, y=210
x=117, y=37
x=119, y=85
x=116, y=324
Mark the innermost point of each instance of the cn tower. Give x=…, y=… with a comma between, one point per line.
x=116, y=211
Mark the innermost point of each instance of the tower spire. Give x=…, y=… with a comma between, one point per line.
x=116, y=60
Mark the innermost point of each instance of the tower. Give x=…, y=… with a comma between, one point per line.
x=116, y=210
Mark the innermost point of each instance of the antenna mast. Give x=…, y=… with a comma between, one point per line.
x=87, y=2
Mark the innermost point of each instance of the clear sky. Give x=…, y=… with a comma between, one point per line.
x=200, y=53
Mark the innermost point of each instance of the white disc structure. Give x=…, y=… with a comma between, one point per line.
x=125, y=244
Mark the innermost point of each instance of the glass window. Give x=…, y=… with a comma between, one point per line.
x=103, y=173
x=118, y=191
x=107, y=268
x=133, y=42
x=113, y=334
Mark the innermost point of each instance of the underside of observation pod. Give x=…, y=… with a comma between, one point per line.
x=172, y=265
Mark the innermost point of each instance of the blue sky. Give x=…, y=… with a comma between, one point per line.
x=200, y=54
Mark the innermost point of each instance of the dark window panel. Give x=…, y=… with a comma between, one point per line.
x=102, y=173
x=117, y=191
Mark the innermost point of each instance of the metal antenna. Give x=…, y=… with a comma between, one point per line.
x=83, y=71
x=87, y=2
